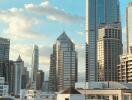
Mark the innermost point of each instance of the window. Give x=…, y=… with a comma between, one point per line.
x=66, y=98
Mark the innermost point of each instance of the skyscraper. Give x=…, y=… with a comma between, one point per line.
x=109, y=47
x=129, y=27
x=64, y=64
x=11, y=77
x=98, y=12
x=35, y=62
x=19, y=65
x=4, y=57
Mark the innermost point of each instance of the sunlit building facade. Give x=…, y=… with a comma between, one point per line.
x=64, y=64
x=129, y=27
x=109, y=47
x=98, y=12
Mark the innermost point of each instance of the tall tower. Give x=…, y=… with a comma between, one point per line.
x=35, y=62
x=109, y=47
x=98, y=12
x=129, y=27
x=63, y=63
x=4, y=57
x=19, y=65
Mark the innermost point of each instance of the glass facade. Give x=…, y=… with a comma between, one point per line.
x=64, y=63
x=98, y=12
x=109, y=47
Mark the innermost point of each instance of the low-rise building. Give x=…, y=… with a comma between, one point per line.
x=70, y=94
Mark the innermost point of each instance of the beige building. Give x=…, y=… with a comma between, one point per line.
x=125, y=68
x=129, y=26
x=109, y=47
x=107, y=94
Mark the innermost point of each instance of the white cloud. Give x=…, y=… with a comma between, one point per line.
x=19, y=25
x=53, y=13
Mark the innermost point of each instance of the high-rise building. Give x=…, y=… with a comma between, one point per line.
x=129, y=26
x=4, y=57
x=11, y=77
x=35, y=62
x=109, y=47
x=39, y=80
x=97, y=12
x=63, y=63
x=52, y=73
x=19, y=65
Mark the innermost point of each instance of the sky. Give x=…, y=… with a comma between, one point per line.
x=40, y=22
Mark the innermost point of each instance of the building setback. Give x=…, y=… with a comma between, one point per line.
x=109, y=48
x=63, y=66
x=97, y=12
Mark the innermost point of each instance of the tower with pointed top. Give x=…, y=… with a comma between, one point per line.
x=63, y=66
x=19, y=65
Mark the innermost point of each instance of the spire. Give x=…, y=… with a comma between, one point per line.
x=19, y=58
x=63, y=37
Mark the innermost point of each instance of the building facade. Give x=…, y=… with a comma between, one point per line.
x=39, y=80
x=65, y=63
x=125, y=68
x=109, y=47
x=11, y=77
x=129, y=26
x=35, y=62
x=4, y=57
x=19, y=65
x=97, y=12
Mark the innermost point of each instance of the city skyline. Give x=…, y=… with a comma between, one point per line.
x=23, y=12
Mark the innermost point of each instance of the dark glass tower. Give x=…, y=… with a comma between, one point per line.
x=98, y=13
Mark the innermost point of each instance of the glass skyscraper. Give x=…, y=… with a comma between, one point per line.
x=98, y=12
x=63, y=64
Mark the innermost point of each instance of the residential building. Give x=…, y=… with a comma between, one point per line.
x=98, y=12
x=109, y=47
x=65, y=64
x=129, y=26
x=19, y=65
x=39, y=80
x=125, y=68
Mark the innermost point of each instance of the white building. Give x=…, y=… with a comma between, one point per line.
x=70, y=94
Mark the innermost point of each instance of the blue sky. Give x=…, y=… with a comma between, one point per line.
x=28, y=22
